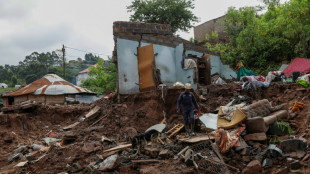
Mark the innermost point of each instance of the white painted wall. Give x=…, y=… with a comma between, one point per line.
x=128, y=75
x=80, y=78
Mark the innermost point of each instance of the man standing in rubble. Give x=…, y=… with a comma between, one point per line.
x=188, y=99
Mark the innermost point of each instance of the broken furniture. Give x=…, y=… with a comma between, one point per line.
x=261, y=114
x=237, y=118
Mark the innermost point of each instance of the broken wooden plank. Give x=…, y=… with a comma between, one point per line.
x=71, y=126
x=173, y=128
x=118, y=148
x=183, y=150
x=197, y=139
x=27, y=106
x=161, y=141
x=176, y=131
x=93, y=112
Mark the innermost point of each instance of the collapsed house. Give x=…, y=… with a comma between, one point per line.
x=147, y=55
x=50, y=89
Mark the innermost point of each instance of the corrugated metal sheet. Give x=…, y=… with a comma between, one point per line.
x=50, y=84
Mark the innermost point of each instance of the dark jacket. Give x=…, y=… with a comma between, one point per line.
x=187, y=99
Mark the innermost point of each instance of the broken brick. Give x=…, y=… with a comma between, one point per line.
x=256, y=137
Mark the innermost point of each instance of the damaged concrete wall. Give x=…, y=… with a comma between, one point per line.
x=165, y=61
x=127, y=66
x=218, y=67
x=167, y=48
x=168, y=61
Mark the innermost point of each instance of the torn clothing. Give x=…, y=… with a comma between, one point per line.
x=187, y=100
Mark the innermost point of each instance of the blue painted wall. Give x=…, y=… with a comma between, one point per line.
x=218, y=67
x=168, y=61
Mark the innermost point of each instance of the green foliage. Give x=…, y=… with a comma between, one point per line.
x=177, y=13
x=7, y=90
x=284, y=126
x=262, y=42
x=36, y=65
x=102, y=79
x=275, y=140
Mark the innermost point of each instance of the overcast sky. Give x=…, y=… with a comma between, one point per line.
x=44, y=25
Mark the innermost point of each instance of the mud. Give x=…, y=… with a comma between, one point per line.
x=118, y=122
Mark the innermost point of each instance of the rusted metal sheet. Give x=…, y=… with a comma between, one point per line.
x=50, y=84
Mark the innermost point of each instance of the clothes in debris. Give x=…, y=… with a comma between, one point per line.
x=228, y=111
x=189, y=64
x=255, y=85
x=228, y=139
x=242, y=71
x=275, y=76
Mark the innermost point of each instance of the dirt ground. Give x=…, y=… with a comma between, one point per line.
x=119, y=122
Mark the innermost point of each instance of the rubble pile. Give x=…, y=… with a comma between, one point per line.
x=144, y=134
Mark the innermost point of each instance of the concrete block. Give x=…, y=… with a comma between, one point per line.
x=110, y=163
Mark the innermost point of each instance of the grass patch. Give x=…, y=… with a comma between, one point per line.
x=7, y=90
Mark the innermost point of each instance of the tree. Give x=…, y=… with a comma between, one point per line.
x=177, y=13
x=262, y=42
x=102, y=79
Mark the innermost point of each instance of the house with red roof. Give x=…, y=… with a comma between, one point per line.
x=82, y=75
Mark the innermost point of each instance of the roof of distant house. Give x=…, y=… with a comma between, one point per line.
x=50, y=84
x=87, y=69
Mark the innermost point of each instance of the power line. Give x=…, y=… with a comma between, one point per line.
x=84, y=51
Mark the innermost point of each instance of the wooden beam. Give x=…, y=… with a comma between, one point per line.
x=118, y=148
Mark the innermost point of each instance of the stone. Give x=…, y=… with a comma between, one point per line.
x=109, y=164
x=267, y=163
x=91, y=147
x=254, y=167
x=295, y=165
x=76, y=167
x=246, y=159
x=152, y=152
x=256, y=137
x=164, y=154
x=298, y=145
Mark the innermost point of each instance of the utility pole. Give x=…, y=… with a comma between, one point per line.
x=63, y=60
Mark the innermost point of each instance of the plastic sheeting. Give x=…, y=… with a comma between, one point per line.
x=242, y=71
x=209, y=120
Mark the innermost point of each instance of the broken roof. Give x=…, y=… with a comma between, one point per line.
x=50, y=84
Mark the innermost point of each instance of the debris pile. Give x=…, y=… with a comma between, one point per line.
x=144, y=134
